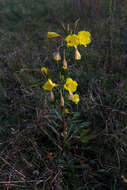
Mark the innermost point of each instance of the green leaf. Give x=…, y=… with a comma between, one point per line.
x=53, y=129
x=58, y=115
x=84, y=124
x=56, y=124
x=85, y=139
x=84, y=130
x=75, y=115
x=2, y=91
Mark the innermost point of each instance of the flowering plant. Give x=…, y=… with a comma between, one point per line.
x=64, y=86
x=70, y=40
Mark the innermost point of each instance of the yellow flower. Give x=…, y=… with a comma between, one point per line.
x=84, y=38
x=45, y=70
x=70, y=85
x=77, y=54
x=49, y=85
x=52, y=35
x=75, y=98
x=72, y=40
x=56, y=56
x=65, y=110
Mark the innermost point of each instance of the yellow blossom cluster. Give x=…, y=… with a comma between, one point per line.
x=73, y=40
x=82, y=38
x=70, y=85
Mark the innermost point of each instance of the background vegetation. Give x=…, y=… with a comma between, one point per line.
x=32, y=153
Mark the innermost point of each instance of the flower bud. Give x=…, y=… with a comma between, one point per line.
x=52, y=35
x=77, y=54
x=61, y=101
x=56, y=56
x=65, y=111
x=45, y=70
x=64, y=64
x=52, y=96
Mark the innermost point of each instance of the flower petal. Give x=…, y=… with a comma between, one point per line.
x=75, y=98
x=72, y=40
x=49, y=85
x=84, y=38
x=70, y=85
